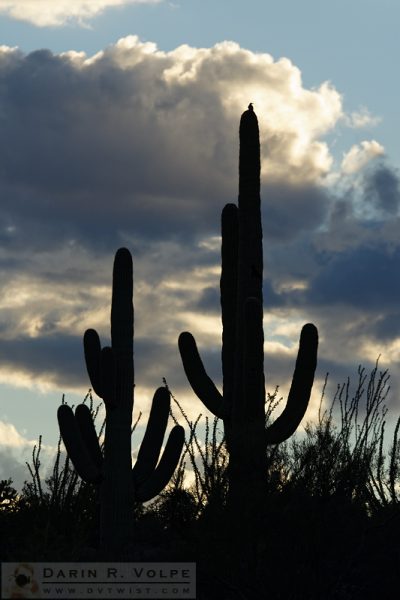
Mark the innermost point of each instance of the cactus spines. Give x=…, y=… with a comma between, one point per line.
x=111, y=371
x=242, y=403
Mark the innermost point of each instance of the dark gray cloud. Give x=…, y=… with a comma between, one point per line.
x=60, y=359
x=382, y=189
x=96, y=150
x=387, y=327
x=364, y=277
x=55, y=358
x=209, y=299
x=290, y=210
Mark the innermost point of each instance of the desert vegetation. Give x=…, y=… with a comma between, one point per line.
x=328, y=522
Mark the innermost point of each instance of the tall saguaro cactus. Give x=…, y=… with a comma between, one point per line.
x=242, y=403
x=111, y=371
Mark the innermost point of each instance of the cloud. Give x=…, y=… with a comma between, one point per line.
x=155, y=132
x=360, y=155
x=137, y=147
x=362, y=118
x=50, y=13
x=291, y=209
x=364, y=277
x=383, y=190
x=15, y=449
x=12, y=465
x=10, y=437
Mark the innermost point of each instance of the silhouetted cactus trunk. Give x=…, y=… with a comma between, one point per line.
x=242, y=404
x=246, y=432
x=117, y=492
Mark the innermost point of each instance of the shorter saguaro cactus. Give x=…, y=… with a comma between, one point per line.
x=111, y=371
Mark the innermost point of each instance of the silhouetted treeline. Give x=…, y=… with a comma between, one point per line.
x=329, y=523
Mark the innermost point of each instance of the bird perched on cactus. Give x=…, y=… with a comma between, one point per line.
x=111, y=371
x=242, y=402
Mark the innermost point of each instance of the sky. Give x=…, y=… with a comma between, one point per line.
x=119, y=127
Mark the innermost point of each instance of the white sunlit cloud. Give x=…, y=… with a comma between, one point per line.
x=135, y=105
x=9, y=436
x=50, y=13
x=362, y=118
x=180, y=108
x=16, y=450
x=294, y=117
x=360, y=155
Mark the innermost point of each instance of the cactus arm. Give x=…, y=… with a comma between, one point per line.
x=75, y=446
x=92, y=350
x=201, y=383
x=300, y=390
x=87, y=429
x=153, y=438
x=165, y=468
x=101, y=368
x=228, y=288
